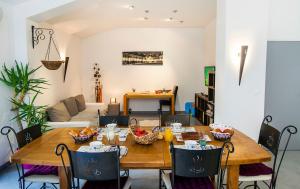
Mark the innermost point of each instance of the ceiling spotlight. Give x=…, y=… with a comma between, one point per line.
x=130, y=7
x=169, y=19
x=181, y=21
x=146, y=18
x=175, y=11
x=147, y=11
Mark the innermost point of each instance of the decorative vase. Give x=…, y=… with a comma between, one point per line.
x=98, y=93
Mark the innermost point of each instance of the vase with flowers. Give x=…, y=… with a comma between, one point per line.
x=98, y=85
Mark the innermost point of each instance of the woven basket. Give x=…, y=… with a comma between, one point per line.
x=52, y=65
x=147, y=139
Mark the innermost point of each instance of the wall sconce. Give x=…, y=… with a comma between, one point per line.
x=243, y=54
x=113, y=100
x=66, y=67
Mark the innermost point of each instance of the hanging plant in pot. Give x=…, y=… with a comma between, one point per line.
x=52, y=64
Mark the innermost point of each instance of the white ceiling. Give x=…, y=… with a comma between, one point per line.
x=85, y=19
x=14, y=1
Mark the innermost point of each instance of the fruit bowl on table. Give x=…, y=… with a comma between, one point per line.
x=142, y=136
x=221, y=132
x=82, y=136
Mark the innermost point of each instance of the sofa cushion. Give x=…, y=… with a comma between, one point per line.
x=58, y=113
x=71, y=106
x=80, y=102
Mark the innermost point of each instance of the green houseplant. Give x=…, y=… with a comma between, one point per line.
x=20, y=79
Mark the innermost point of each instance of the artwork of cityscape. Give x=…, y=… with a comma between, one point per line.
x=142, y=58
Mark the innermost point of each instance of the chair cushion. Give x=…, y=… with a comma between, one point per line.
x=111, y=184
x=80, y=102
x=58, y=113
x=255, y=170
x=192, y=183
x=41, y=170
x=71, y=106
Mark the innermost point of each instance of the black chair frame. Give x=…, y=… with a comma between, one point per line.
x=89, y=173
x=184, y=119
x=270, y=138
x=120, y=120
x=168, y=102
x=200, y=168
x=23, y=137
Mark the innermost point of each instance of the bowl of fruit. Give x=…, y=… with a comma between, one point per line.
x=142, y=136
x=221, y=132
x=83, y=135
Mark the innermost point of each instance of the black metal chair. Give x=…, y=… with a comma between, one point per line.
x=101, y=170
x=168, y=102
x=184, y=119
x=35, y=173
x=120, y=120
x=196, y=169
x=269, y=138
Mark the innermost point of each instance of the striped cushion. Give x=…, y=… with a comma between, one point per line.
x=112, y=184
x=255, y=170
x=192, y=183
x=41, y=170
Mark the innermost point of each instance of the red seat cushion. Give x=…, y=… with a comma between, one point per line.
x=192, y=183
x=41, y=170
x=111, y=184
x=255, y=170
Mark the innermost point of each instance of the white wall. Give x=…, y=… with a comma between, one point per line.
x=210, y=44
x=241, y=23
x=69, y=46
x=5, y=93
x=284, y=24
x=183, y=55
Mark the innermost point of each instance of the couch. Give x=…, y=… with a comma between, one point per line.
x=74, y=112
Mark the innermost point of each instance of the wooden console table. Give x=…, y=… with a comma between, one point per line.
x=148, y=95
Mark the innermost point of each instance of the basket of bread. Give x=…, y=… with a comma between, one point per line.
x=221, y=132
x=83, y=135
x=143, y=136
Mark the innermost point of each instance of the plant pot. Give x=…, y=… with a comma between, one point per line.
x=51, y=64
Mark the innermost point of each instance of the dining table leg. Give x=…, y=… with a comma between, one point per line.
x=125, y=105
x=63, y=178
x=233, y=172
x=173, y=105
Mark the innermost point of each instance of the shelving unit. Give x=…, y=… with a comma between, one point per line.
x=205, y=104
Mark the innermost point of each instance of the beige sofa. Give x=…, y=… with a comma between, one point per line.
x=74, y=112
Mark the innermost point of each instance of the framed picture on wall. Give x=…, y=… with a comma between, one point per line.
x=208, y=69
x=142, y=58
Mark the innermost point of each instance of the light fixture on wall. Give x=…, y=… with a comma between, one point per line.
x=66, y=67
x=243, y=54
x=37, y=35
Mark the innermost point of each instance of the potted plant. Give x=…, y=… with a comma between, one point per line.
x=20, y=79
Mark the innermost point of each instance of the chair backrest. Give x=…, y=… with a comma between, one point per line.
x=175, y=90
x=23, y=137
x=184, y=119
x=271, y=138
x=120, y=120
x=99, y=166
x=199, y=163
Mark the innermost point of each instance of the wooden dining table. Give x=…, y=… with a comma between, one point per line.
x=148, y=95
x=154, y=156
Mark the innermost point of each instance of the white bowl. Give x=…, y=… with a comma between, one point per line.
x=96, y=145
x=190, y=144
